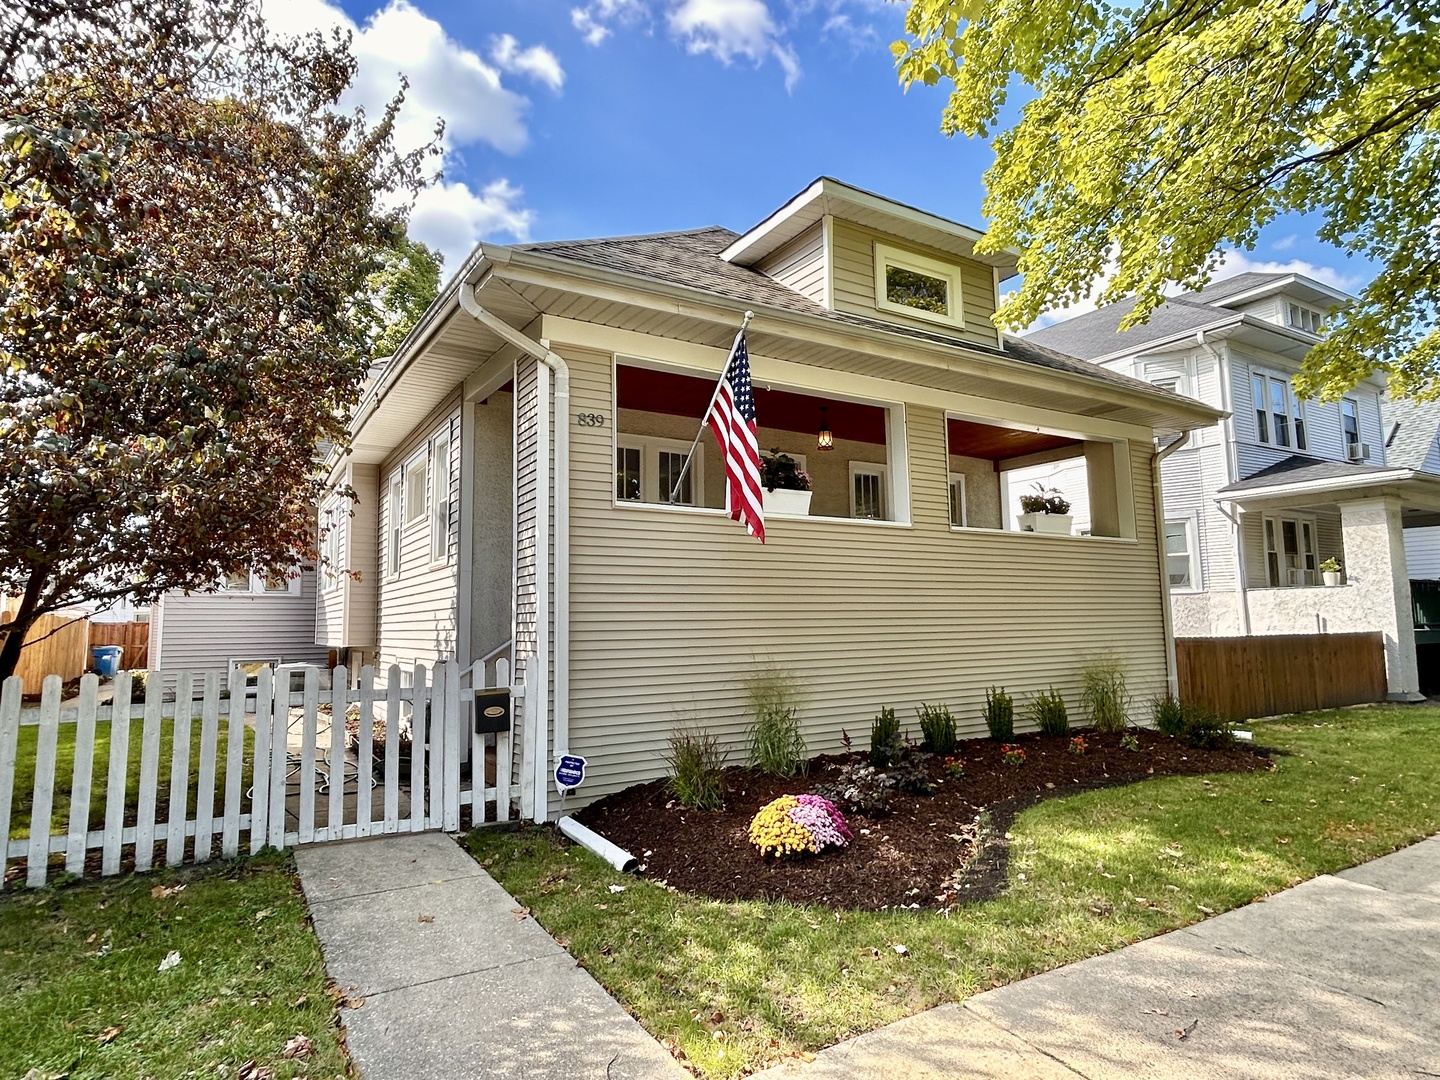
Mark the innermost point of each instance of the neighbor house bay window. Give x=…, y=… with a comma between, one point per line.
x=1291, y=556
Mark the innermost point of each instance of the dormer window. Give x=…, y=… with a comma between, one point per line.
x=911, y=284
x=1304, y=318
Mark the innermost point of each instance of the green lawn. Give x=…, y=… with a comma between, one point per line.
x=78, y=962
x=738, y=985
x=25, y=753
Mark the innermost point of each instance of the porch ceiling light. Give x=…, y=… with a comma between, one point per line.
x=825, y=440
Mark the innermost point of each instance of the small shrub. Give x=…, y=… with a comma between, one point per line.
x=1167, y=715
x=937, y=728
x=861, y=788
x=695, y=759
x=777, y=745
x=1078, y=746
x=796, y=824
x=885, y=743
x=1105, y=695
x=1130, y=742
x=1204, y=730
x=954, y=768
x=1048, y=713
x=1012, y=755
x=999, y=714
x=138, y=679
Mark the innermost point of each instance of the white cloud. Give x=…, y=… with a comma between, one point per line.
x=1237, y=262
x=1285, y=243
x=454, y=219
x=730, y=28
x=536, y=62
x=595, y=19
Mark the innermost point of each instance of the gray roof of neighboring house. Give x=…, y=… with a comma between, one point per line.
x=1097, y=333
x=1298, y=470
x=691, y=257
x=1419, y=424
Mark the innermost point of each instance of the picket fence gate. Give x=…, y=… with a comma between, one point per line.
x=248, y=766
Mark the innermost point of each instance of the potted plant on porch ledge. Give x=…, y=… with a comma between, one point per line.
x=1046, y=511
x=1330, y=570
x=786, y=485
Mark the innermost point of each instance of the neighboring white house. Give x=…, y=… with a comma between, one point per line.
x=1256, y=502
x=513, y=463
x=251, y=620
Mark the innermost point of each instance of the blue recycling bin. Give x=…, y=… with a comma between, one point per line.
x=106, y=659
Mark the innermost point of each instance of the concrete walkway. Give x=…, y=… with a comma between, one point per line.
x=452, y=979
x=1338, y=977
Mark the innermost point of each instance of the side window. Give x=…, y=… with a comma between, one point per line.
x=1181, y=564
x=415, y=482
x=1350, y=421
x=440, y=498
x=394, y=526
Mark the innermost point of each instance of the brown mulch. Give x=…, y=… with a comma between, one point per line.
x=928, y=851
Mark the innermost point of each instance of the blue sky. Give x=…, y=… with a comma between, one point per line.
x=602, y=117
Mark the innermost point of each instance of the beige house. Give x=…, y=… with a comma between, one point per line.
x=512, y=468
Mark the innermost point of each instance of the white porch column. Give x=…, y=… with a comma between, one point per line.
x=1375, y=569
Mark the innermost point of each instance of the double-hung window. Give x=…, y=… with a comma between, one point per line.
x=1291, y=557
x=958, y=513
x=867, y=491
x=394, y=525
x=1279, y=419
x=1350, y=421
x=650, y=470
x=415, y=482
x=1181, y=563
x=440, y=498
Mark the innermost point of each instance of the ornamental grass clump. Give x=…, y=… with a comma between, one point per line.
x=777, y=745
x=1048, y=713
x=695, y=759
x=1105, y=696
x=937, y=728
x=999, y=714
x=1168, y=715
x=797, y=825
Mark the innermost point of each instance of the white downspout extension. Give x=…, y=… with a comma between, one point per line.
x=1223, y=375
x=1172, y=675
x=552, y=363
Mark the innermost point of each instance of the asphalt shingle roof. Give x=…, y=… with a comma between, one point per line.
x=692, y=258
x=1419, y=424
x=1298, y=470
x=1217, y=291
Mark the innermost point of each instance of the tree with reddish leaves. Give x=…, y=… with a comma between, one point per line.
x=187, y=224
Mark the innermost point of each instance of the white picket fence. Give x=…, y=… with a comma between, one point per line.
x=263, y=773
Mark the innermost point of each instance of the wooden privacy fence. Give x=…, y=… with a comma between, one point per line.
x=133, y=637
x=55, y=645
x=1269, y=674
x=249, y=767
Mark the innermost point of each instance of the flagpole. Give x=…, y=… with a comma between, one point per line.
x=705, y=416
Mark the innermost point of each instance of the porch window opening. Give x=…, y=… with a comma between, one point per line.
x=658, y=413
x=995, y=470
x=1180, y=554
x=1350, y=421
x=395, y=507
x=1291, y=557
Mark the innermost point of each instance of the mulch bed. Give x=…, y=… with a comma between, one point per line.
x=928, y=851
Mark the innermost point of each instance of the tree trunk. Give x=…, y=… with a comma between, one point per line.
x=17, y=628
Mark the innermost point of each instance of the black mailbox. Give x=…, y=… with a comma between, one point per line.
x=492, y=711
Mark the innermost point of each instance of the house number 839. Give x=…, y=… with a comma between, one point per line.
x=590, y=419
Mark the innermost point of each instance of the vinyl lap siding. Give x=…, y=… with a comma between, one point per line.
x=854, y=278
x=204, y=631
x=418, y=608
x=800, y=264
x=670, y=610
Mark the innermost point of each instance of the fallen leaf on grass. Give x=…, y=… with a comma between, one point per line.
x=172, y=959
x=161, y=892
x=427, y=918
x=299, y=1047
x=1184, y=1033
x=253, y=1070
x=108, y=1035
x=900, y=950
x=264, y=913
x=617, y=888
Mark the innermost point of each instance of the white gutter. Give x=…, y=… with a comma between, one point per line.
x=1172, y=675
x=1224, y=375
x=1329, y=484
x=538, y=674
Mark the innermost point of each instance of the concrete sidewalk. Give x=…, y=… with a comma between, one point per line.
x=453, y=979
x=1338, y=977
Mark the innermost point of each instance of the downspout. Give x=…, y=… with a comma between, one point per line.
x=1224, y=377
x=1172, y=675
x=556, y=365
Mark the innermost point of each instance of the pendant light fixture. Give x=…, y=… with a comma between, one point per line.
x=825, y=439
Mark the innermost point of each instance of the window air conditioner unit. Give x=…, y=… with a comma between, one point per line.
x=1359, y=451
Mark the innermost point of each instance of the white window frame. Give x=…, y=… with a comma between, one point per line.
x=650, y=448
x=255, y=586
x=1345, y=439
x=1295, y=317
x=1192, y=550
x=959, y=479
x=330, y=575
x=422, y=461
x=1298, y=425
x=394, y=523
x=881, y=472
x=438, y=497
x=1302, y=522
x=885, y=255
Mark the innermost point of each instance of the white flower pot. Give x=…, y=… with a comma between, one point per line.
x=785, y=502
x=1055, y=524
x=1332, y=577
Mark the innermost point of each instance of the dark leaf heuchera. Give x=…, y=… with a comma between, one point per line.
x=188, y=226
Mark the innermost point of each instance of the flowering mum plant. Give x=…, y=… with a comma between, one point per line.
x=1078, y=746
x=794, y=824
x=1012, y=755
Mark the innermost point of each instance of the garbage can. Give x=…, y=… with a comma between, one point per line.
x=106, y=659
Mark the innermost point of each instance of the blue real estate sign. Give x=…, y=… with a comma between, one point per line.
x=570, y=772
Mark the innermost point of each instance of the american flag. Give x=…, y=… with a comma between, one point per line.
x=732, y=419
